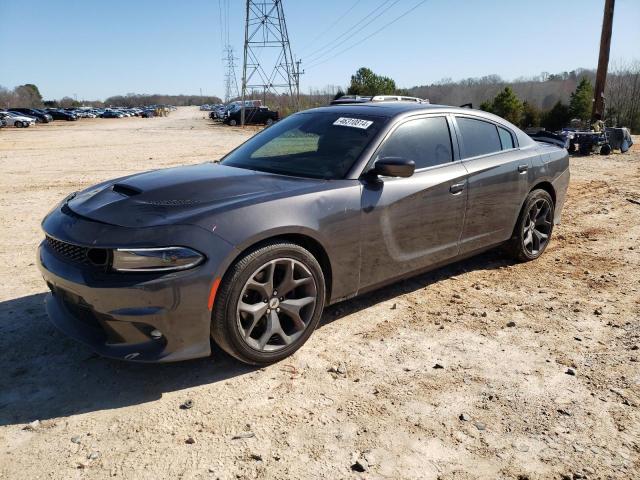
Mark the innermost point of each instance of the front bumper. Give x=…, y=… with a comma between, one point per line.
x=115, y=313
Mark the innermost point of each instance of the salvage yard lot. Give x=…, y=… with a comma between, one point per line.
x=484, y=369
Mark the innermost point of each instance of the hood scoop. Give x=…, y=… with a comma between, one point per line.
x=125, y=190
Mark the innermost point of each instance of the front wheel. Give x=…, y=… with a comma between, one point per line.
x=18, y=124
x=269, y=303
x=533, y=229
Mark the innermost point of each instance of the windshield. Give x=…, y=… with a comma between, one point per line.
x=312, y=144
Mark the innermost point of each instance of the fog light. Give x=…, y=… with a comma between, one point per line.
x=156, y=334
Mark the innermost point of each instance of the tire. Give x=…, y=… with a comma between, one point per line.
x=527, y=244
x=232, y=122
x=18, y=124
x=264, y=338
x=605, y=149
x=585, y=148
x=269, y=122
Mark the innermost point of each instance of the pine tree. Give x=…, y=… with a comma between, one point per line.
x=508, y=106
x=582, y=100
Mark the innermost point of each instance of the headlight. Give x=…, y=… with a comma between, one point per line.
x=162, y=259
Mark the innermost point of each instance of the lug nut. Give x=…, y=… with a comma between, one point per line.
x=281, y=299
x=265, y=300
x=277, y=310
x=268, y=310
x=156, y=334
x=275, y=293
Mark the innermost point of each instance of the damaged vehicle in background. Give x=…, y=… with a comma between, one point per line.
x=323, y=206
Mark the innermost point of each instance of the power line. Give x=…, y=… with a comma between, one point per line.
x=318, y=57
x=328, y=45
x=368, y=36
x=325, y=31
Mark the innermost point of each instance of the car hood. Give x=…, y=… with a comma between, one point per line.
x=179, y=195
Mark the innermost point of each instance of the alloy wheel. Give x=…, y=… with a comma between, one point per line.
x=536, y=227
x=276, y=304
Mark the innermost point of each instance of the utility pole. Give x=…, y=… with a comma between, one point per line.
x=297, y=74
x=268, y=63
x=603, y=60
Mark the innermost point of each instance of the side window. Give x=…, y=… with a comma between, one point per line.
x=478, y=137
x=505, y=138
x=426, y=141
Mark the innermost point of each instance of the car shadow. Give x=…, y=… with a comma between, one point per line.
x=490, y=260
x=44, y=374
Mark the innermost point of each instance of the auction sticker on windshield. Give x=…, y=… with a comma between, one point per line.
x=353, y=122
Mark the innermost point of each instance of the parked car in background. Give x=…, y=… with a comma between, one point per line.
x=58, y=114
x=2, y=123
x=111, y=114
x=40, y=115
x=252, y=115
x=17, y=120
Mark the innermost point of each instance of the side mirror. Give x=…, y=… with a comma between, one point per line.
x=394, y=167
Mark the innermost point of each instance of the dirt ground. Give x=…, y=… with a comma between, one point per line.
x=484, y=369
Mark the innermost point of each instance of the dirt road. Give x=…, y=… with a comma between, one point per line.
x=484, y=369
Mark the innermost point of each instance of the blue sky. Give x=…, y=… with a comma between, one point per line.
x=97, y=48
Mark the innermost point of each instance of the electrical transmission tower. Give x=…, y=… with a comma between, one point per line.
x=268, y=63
x=230, y=81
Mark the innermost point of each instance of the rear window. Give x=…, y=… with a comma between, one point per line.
x=478, y=137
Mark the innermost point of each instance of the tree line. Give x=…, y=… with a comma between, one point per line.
x=29, y=96
x=548, y=100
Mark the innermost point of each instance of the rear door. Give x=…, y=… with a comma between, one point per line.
x=412, y=223
x=497, y=181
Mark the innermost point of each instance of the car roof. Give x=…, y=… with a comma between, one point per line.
x=392, y=108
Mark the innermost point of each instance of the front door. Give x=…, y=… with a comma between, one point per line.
x=412, y=223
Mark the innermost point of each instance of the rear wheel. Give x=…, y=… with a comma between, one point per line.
x=232, y=122
x=533, y=230
x=269, y=122
x=605, y=149
x=269, y=303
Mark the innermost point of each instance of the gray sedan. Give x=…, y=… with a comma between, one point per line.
x=322, y=206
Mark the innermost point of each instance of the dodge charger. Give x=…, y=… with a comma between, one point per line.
x=322, y=206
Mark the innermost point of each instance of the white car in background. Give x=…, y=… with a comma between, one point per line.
x=18, y=121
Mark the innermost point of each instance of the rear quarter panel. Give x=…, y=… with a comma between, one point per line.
x=552, y=165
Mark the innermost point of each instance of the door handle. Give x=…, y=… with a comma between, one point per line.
x=523, y=168
x=456, y=188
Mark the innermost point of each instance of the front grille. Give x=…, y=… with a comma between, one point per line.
x=96, y=257
x=69, y=251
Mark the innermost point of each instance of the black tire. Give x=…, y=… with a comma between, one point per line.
x=605, y=149
x=585, y=148
x=18, y=124
x=269, y=122
x=519, y=246
x=233, y=122
x=226, y=321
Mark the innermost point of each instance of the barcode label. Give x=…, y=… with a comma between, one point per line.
x=353, y=122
